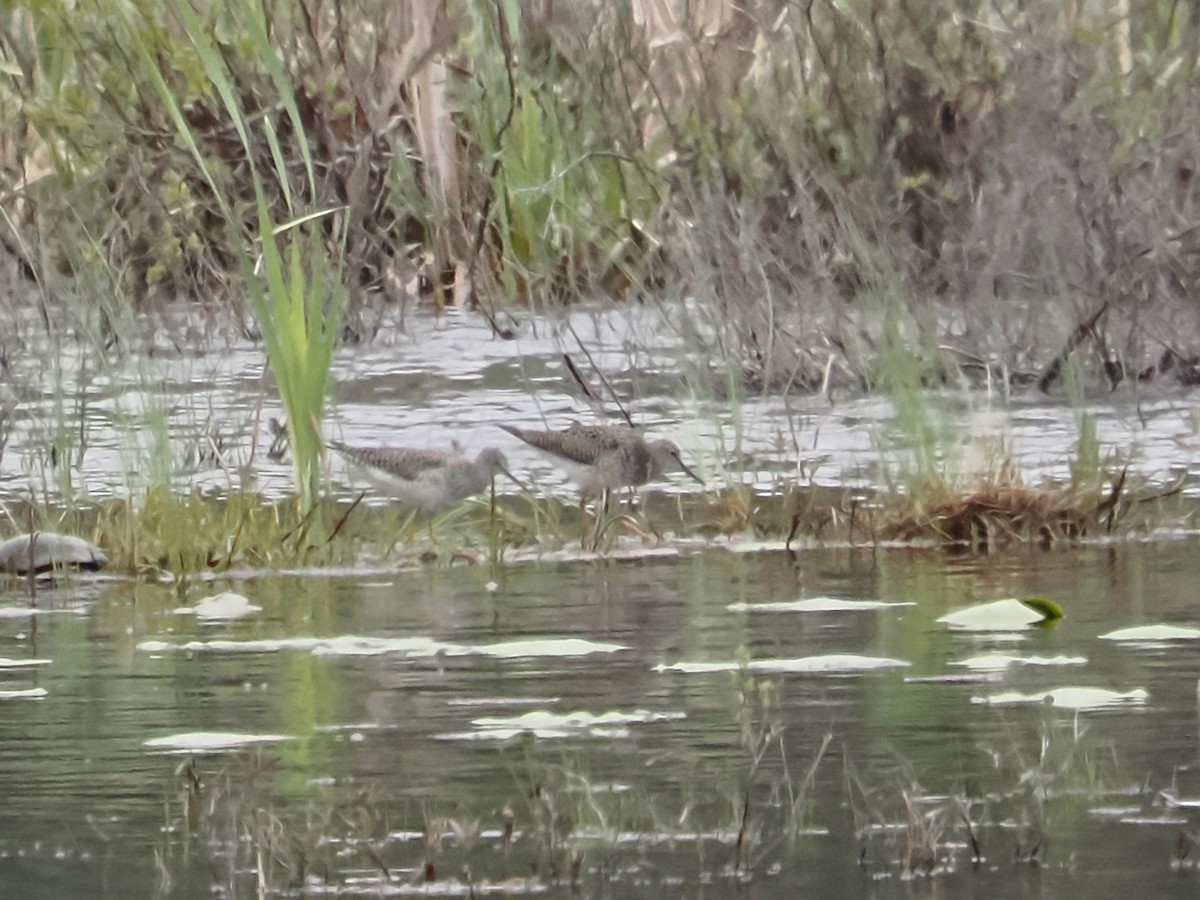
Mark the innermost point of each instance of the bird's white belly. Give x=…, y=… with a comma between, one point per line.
x=427, y=493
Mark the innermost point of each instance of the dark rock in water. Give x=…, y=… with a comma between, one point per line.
x=44, y=551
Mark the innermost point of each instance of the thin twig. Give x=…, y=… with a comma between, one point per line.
x=599, y=374
x=587, y=391
x=345, y=516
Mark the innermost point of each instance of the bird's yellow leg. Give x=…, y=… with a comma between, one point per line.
x=583, y=520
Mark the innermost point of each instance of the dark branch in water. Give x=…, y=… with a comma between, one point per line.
x=1051, y=373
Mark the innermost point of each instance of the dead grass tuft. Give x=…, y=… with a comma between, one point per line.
x=1002, y=510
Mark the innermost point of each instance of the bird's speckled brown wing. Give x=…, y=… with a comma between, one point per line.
x=596, y=456
x=580, y=444
x=400, y=462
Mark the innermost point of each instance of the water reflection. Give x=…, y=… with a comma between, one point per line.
x=532, y=725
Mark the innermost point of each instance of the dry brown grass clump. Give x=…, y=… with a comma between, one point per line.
x=1001, y=510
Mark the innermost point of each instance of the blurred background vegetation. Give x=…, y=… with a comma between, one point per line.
x=991, y=185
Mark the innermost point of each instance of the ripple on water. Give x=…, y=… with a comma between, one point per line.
x=211, y=741
x=818, y=605
x=550, y=725
x=23, y=694
x=826, y=664
x=354, y=645
x=997, y=662
x=1152, y=635
x=1073, y=698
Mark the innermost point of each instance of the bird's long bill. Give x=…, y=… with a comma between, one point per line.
x=695, y=477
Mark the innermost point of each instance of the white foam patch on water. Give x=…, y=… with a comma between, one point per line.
x=996, y=662
x=1164, y=819
x=579, y=719
x=817, y=604
x=367, y=646
x=211, y=741
x=546, y=734
x=807, y=665
x=26, y=694
x=655, y=838
x=551, y=725
x=20, y=612
x=353, y=645
x=220, y=607
x=264, y=645
x=345, y=645
x=534, y=647
x=999, y=615
x=1076, y=698
x=22, y=663
x=1152, y=634
x=1174, y=800
x=1113, y=812
x=373, y=886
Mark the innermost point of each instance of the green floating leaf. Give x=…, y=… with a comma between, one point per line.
x=1050, y=611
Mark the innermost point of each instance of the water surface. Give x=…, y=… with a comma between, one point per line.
x=673, y=721
x=395, y=702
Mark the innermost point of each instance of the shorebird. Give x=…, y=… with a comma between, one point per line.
x=426, y=479
x=603, y=458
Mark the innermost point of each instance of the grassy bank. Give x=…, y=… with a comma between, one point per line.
x=163, y=535
x=996, y=189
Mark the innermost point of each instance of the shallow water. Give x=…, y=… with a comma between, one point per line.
x=673, y=721
x=390, y=700
x=203, y=420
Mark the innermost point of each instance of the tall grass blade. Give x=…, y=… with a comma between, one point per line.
x=299, y=324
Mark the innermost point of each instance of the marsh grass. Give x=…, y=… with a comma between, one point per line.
x=804, y=180
x=566, y=825
x=772, y=804
x=1038, y=785
x=165, y=534
x=159, y=532
x=944, y=483
x=567, y=180
x=294, y=289
x=946, y=496
x=998, y=510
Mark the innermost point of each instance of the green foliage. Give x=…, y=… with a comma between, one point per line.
x=914, y=429
x=1086, y=463
x=163, y=533
x=1086, y=470
x=570, y=188
x=920, y=439
x=299, y=325
x=300, y=329
x=773, y=169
